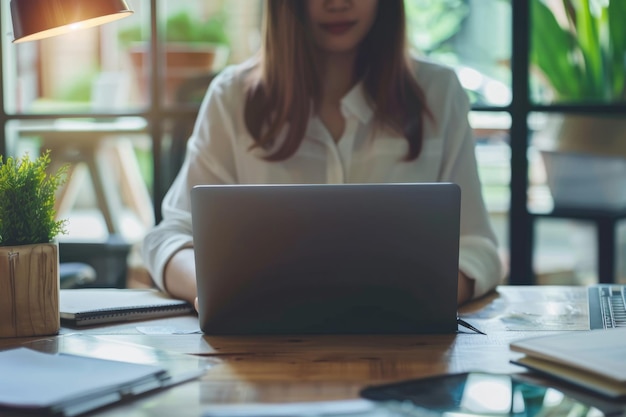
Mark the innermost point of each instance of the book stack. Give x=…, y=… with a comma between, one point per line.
x=594, y=360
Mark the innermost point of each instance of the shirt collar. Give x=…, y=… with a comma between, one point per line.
x=356, y=103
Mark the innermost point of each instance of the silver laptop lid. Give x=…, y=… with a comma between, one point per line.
x=345, y=258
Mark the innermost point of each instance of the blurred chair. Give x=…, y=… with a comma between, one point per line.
x=76, y=274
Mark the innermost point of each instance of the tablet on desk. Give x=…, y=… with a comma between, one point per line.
x=490, y=394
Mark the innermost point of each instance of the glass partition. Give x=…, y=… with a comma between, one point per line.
x=453, y=32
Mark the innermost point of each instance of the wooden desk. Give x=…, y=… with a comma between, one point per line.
x=324, y=367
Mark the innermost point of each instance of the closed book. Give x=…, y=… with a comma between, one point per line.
x=591, y=359
x=90, y=306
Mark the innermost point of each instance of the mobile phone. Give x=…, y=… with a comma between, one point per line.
x=490, y=394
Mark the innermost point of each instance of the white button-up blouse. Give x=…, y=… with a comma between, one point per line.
x=218, y=152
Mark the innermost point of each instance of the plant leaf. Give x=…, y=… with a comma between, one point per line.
x=551, y=51
x=588, y=31
x=27, y=197
x=616, y=14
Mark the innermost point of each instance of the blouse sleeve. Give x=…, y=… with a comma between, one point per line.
x=478, y=252
x=208, y=160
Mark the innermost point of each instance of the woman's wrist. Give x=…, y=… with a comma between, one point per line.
x=179, y=277
x=465, y=288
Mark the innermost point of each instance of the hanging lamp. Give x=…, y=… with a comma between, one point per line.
x=38, y=19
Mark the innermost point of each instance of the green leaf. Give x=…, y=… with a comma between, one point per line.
x=27, y=197
x=551, y=51
x=588, y=30
x=616, y=13
x=583, y=58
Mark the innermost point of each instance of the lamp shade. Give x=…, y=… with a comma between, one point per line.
x=38, y=19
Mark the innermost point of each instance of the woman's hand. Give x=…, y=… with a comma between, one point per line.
x=465, y=289
x=180, y=276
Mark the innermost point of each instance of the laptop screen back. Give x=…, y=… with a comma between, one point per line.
x=348, y=258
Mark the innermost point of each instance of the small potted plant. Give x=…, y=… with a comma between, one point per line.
x=29, y=255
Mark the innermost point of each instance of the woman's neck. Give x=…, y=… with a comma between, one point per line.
x=337, y=77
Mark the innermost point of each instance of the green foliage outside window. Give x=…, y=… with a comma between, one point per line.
x=433, y=23
x=182, y=27
x=580, y=48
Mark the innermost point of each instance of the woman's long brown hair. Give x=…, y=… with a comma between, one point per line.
x=285, y=86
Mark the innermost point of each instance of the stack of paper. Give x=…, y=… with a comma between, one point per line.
x=594, y=359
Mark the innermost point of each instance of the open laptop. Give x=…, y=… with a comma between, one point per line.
x=336, y=258
x=607, y=306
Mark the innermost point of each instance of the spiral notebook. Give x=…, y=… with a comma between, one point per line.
x=89, y=306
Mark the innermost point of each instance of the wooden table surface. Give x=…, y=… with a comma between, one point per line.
x=245, y=369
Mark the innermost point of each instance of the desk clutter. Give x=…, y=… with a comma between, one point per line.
x=328, y=375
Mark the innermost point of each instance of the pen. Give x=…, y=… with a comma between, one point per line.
x=465, y=324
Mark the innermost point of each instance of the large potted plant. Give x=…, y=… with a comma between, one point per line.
x=579, y=50
x=191, y=46
x=29, y=255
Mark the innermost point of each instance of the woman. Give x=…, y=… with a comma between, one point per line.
x=332, y=98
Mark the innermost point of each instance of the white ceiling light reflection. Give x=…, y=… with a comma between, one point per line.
x=491, y=91
x=497, y=93
x=470, y=78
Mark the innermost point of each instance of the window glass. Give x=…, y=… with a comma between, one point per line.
x=107, y=191
x=80, y=72
x=192, y=41
x=493, y=156
x=453, y=32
